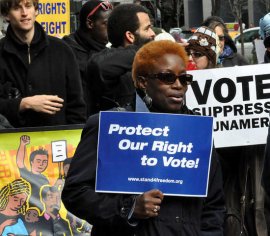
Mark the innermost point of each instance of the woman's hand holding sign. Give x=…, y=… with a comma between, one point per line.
x=148, y=204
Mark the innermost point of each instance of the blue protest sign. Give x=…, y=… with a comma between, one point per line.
x=141, y=151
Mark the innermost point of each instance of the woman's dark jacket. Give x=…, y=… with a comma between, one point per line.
x=267, y=57
x=52, y=70
x=83, y=47
x=235, y=59
x=266, y=167
x=108, y=213
x=109, y=78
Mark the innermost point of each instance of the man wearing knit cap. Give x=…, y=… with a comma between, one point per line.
x=202, y=48
x=91, y=36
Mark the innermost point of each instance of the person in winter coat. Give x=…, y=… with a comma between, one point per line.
x=228, y=52
x=266, y=172
x=109, y=72
x=159, y=74
x=39, y=76
x=242, y=165
x=265, y=35
x=229, y=56
x=91, y=36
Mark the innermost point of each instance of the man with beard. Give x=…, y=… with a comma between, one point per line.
x=91, y=36
x=51, y=223
x=108, y=73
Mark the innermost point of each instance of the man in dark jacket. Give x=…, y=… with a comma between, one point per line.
x=39, y=76
x=91, y=36
x=266, y=172
x=109, y=72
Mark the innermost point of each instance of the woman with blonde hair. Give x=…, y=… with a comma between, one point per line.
x=14, y=203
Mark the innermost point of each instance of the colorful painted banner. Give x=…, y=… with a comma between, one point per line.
x=142, y=151
x=33, y=167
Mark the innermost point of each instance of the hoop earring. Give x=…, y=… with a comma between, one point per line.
x=147, y=100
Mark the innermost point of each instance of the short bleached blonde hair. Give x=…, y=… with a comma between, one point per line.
x=146, y=58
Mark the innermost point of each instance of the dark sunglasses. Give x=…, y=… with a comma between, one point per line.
x=170, y=78
x=195, y=54
x=104, y=5
x=221, y=37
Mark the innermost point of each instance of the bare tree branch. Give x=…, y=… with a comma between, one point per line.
x=237, y=9
x=266, y=3
x=171, y=11
x=215, y=7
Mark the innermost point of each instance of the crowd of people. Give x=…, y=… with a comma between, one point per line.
x=46, y=81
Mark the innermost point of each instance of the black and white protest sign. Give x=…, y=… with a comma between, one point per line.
x=239, y=99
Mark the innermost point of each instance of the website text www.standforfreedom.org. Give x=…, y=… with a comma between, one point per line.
x=157, y=180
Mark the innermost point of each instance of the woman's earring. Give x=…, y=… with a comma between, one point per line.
x=147, y=100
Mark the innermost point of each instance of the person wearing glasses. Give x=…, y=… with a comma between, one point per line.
x=242, y=165
x=91, y=36
x=228, y=52
x=161, y=81
x=109, y=79
x=202, y=48
x=39, y=76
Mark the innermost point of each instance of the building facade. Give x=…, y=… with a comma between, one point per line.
x=197, y=10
